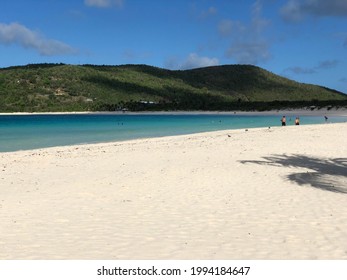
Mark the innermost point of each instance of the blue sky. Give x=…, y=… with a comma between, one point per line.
x=305, y=40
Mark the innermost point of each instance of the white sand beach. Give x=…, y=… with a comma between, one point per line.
x=278, y=193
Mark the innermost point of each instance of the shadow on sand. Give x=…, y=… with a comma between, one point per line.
x=324, y=174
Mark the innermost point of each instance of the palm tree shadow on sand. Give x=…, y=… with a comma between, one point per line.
x=325, y=174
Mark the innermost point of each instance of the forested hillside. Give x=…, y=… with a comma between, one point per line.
x=60, y=87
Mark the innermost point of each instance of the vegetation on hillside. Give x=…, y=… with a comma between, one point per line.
x=60, y=87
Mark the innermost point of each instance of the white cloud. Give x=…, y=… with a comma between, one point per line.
x=202, y=14
x=195, y=61
x=249, y=44
x=192, y=61
x=103, y=3
x=230, y=29
x=225, y=27
x=295, y=10
x=211, y=11
x=322, y=65
x=16, y=33
x=249, y=52
x=292, y=11
x=300, y=70
x=327, y=64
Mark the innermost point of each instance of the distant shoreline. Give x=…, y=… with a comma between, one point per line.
x=289, y=112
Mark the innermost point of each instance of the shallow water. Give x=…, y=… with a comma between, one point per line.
x=23, y=132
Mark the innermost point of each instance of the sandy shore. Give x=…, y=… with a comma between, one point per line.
x=278, y=193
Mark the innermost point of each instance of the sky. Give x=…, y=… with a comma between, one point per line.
x=304, y=40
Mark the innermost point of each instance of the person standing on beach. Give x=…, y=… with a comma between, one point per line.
x=283, y=120
x=297, y=121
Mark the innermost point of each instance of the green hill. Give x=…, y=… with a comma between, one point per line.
x=60, y=87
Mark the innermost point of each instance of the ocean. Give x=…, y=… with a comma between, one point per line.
x=26, y=132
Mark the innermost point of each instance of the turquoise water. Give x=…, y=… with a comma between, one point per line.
x=23, y=132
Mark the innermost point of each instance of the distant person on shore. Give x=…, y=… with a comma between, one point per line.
x=283, y=120
x=326, y=118
x=297, y=121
